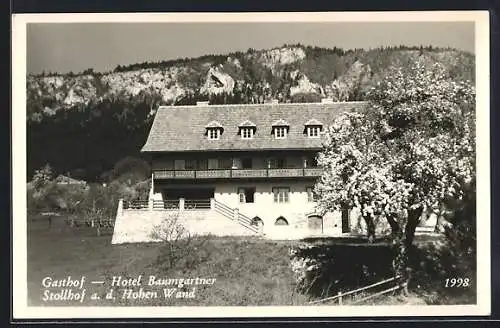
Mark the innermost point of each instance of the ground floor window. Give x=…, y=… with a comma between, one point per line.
x=281, y=221
x=311, y=196
x=281, y=194
x=246, y=195
x=256, y=221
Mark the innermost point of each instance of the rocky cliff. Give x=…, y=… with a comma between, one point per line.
x=68, y=113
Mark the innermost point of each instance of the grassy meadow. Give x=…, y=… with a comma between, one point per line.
x=248, y=271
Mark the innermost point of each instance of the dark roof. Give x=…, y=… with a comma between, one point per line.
x=182, y=128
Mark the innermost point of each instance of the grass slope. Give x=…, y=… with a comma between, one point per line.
x=247, y=271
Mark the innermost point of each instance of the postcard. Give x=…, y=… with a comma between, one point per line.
x=249, y=165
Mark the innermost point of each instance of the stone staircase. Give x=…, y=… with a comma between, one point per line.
x=138, y=225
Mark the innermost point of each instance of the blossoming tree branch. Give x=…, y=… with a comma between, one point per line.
x=413, y=149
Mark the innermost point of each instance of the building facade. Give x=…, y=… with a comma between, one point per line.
x=258, y=160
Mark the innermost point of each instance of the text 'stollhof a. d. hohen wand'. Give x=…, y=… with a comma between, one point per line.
x=142, y=287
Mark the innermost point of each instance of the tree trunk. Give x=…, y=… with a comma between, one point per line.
x=403, y=243
x=411, y=225
x=391, y=218
x=370, y=227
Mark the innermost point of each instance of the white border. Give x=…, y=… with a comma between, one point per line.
x=22, y=311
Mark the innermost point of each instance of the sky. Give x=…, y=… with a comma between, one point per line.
x=64, y=47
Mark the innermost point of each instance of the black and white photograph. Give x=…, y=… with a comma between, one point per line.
x=251, y=165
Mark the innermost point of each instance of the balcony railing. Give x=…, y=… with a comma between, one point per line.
x=237, y=173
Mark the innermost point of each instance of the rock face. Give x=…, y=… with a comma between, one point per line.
x=282, y=56
x=249, y=77
x=217, y=82
x=303, y=85
x=355, y=80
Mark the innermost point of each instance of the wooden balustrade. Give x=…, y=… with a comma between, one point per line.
x=237, y=173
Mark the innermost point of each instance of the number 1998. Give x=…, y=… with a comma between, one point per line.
x=457, y=282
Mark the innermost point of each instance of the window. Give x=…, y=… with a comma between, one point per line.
x=246, y=133
x=202, y=164
x=281, y=221
x=236, y=163
x=277, y=163
x=246, y=195
x=190, y=164
x=280, y=132
x=311, y=161
x=311, y=196
x=256, y=221
x=213, y=164
x=179, y=164
x=281, y=194
x=225, y=163
x=246, y=163
x=213, y=134
x=313, y=131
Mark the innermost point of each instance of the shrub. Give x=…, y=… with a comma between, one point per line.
x=131, y=170
x=180, y=247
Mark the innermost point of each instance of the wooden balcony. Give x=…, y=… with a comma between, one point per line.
x=237, y=173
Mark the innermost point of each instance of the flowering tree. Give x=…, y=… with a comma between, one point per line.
x=412, y=148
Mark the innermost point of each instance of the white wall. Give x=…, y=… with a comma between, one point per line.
x=295, y=211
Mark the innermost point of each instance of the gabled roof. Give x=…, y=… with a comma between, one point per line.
x=213, y=124
x=280, y=122
x=247, y=123
x=313, y=121
x=182, y=128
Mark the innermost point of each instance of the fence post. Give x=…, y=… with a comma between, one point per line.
x=340, y=297
x=212, y=203
x=235, y=214
x=181, y=204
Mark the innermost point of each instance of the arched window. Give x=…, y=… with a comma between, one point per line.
x=256, y=221
x=281, y=221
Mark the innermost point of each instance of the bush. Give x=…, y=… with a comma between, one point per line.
x=323, y=270
x=130, y=170
x=180, y=247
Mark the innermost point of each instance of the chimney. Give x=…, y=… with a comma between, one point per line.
x=327, y=100
x=202, y=103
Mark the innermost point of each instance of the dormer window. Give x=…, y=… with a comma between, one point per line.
x=214, y=130
x=280, y=129
x=213, y=134
x=246, y=133
x=313, y=131
x=247, y=129
x=280, y=132
x=313, y=128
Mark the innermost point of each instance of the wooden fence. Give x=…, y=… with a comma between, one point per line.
x=96, y=223
x=353, y=293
